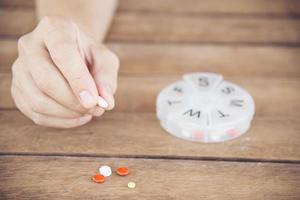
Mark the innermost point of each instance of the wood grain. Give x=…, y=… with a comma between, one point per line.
x=8, y=53
x=213, y=6
x=168, y=59
x=273, y=96
x=139, y=134
x=70, y=178
x=16, y=21
x=17, y=3
x=265, y=7
x=187, y=29
x=6, y=100
x=194, y=29
x=229, y=60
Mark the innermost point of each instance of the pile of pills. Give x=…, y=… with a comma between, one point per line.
x=106, y=171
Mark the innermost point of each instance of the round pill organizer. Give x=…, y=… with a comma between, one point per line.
x=205, y=108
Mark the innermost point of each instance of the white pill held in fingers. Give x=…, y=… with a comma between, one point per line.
x=102, y=103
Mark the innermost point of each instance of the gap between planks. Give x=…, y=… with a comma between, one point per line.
x=183, y=43
x=152, y=157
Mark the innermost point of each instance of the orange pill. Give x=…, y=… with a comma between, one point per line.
x=122, y=171
x=98, y=178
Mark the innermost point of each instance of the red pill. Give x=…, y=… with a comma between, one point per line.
x=98, y=178
x=122, y=171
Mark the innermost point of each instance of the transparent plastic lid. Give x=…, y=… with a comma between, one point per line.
x=205, y=108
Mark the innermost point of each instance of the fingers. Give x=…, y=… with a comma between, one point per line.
x=96, y=111
x=64, y=50
x=37, y=100
x=59, y=77
x=48, y=78
x=105, y=72
x=45, y=120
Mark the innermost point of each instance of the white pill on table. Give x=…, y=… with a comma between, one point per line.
x=105, y=170
x=131, y=185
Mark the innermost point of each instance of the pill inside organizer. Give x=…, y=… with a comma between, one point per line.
x=205, y=108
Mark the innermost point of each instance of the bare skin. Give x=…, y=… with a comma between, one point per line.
x=63, y=66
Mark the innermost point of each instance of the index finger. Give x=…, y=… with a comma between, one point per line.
x=63, y=47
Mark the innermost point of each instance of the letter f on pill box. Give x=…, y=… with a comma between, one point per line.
x=205, y=108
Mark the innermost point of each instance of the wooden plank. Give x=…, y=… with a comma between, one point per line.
x=188, y=29
x=6, y=100
x=70, y=178
x=270, y=7
x=213, y=6
x=16, y=21
x=195, y=29
x=228, y=60
x=17, y=3
x=160, y=59
x=8, y=53
x=273, y=96
x=139, y=134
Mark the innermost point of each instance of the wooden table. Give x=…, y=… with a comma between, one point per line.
x=254, y=43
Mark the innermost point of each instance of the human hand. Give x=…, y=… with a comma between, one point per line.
x=59, y=74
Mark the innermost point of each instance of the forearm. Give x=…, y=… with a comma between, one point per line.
x=93, y=16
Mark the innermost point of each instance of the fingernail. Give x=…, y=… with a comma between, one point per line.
x=107, y=93
x=102, y=103
x=86, y=98
x=85, y=119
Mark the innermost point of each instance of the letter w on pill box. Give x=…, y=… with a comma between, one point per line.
x=205, y=108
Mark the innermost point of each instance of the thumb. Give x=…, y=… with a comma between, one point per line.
x=105, y=73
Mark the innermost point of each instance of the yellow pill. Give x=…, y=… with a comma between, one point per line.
x=131, y=185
